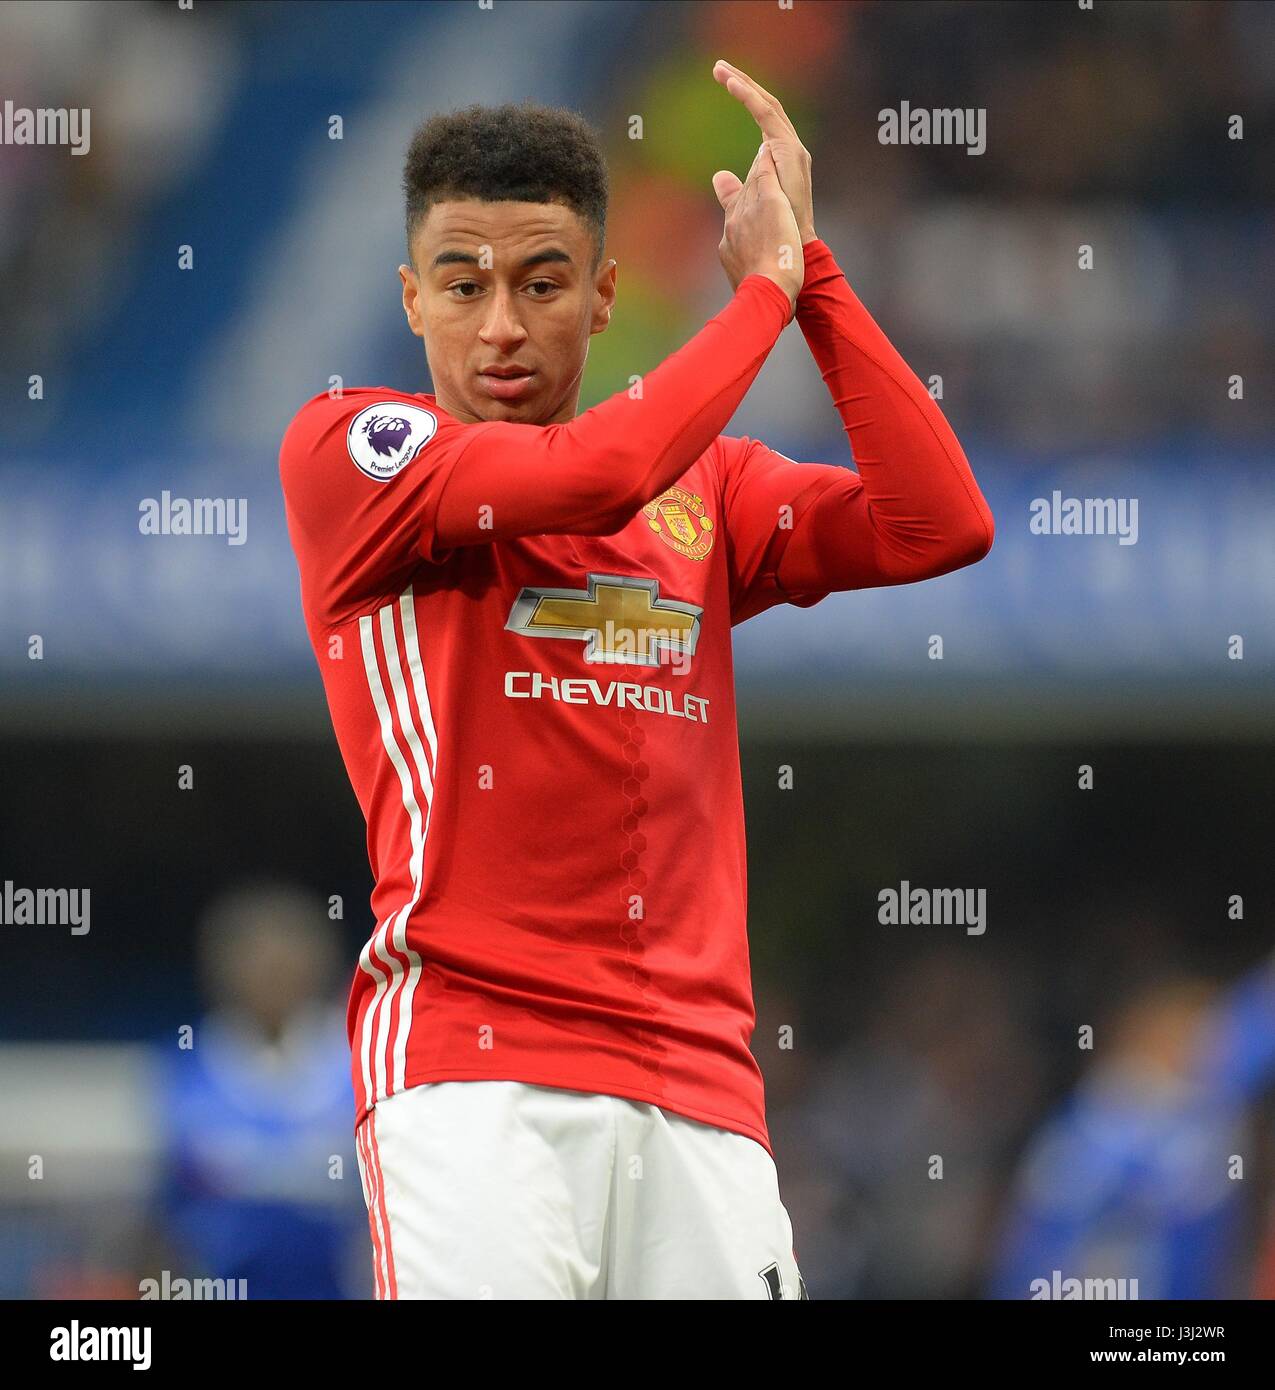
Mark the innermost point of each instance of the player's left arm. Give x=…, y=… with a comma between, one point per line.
x=912, y=510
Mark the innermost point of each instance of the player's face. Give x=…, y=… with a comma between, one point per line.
x=504, y=296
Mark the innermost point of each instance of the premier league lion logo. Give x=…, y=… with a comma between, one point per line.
x=384, y=438
x=387, y=434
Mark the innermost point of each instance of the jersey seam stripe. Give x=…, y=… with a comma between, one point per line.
x=395, y=922
x=368, y=957
x=416, y=669
x=376, y=1020
x=407, y=724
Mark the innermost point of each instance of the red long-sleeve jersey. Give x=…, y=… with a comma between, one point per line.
x=524, y=634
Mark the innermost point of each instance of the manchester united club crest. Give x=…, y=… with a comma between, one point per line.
x=677, y=518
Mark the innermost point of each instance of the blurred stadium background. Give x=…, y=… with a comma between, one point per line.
x=211, y=128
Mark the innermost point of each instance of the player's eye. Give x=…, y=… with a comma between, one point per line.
x=461, y=288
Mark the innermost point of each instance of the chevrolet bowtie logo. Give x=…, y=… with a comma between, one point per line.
x=618, y=618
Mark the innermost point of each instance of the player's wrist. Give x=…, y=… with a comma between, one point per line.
x=786, y=287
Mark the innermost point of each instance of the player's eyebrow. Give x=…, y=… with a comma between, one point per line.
x=552, y=255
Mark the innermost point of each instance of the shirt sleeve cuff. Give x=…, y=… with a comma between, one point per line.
x=820, y=266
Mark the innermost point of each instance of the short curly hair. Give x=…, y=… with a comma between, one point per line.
x=519, y=152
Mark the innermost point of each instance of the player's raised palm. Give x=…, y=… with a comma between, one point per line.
x=761, y=236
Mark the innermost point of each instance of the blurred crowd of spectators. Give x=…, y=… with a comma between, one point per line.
x=156, y=88
x=930, y=1154
x=932, y=1157
x=1109, y=128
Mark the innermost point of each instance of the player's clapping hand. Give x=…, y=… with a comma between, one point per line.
x=760, y=236
x=792, y=158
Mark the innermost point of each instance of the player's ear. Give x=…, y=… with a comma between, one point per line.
x=603, y=296
x=411, y=299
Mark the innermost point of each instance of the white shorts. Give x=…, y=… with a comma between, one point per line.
x=499, y=1189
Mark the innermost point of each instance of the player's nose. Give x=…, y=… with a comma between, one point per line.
x=502, y=324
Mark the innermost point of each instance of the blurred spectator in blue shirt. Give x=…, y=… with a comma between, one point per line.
x=261, y=1182
x=1134, y=1176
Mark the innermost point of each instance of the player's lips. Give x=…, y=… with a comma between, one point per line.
x=506, y=383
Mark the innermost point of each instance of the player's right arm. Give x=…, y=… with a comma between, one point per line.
x=589, y=476
x=359, y=536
